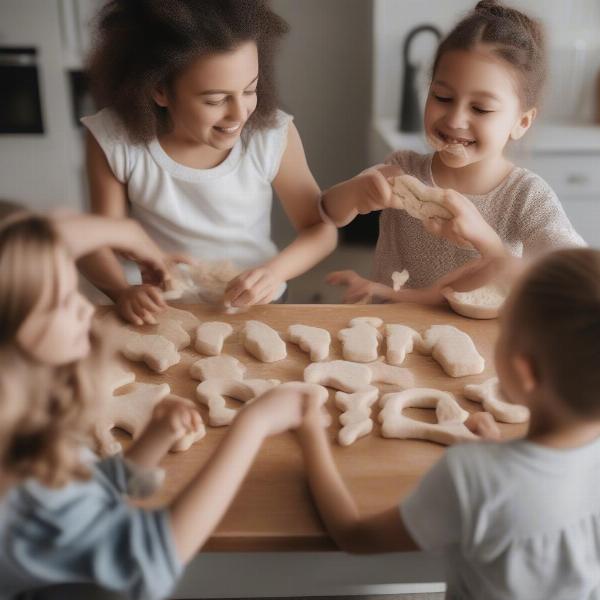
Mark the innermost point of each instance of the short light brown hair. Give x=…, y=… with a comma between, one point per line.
x=555, y=320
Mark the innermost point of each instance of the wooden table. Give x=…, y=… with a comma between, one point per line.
x=273, y=510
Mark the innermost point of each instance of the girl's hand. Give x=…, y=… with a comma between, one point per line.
x=256, y=286
x=283, y=407
x=372, y=189
x=175, y=418
x=483, y=425
x=467, y=229
x=359, y=290
x=139, y=303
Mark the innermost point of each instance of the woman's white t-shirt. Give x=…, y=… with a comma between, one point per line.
x=211, y=214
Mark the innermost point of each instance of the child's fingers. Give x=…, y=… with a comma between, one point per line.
x=181, y=258
x=156, y=296
x=245, y=292
x=340, y=277
x=146, y=316
x=129, y=314
x=239, y=285
x=146, y=302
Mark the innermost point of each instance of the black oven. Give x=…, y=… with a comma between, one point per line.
x=20, y=101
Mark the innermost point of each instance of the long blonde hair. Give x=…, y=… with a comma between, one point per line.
x=45, y=412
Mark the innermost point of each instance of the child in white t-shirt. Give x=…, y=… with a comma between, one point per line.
x=191, y=143
x=515, y=520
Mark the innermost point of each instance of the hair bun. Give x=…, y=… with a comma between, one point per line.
x=490, y=7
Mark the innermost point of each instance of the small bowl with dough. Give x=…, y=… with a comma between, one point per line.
x=482, y=303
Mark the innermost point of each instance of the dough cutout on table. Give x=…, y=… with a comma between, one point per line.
x=352, y=377
x=490, y=396
x=173, y=330
x=156, y=351
x=130, y=412
x=212, y=393
x=360, y=341
x=218, y=367
x=210, y=337
x=117, y=377
x=449, y=429
x=314, y=340
x=417, y=199
x=400, y=341
x=356, y=416
x=263, y=342
x=453, y=349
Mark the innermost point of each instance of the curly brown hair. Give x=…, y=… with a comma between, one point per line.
x=46, y=412
x=513, y=36
x=142, y=44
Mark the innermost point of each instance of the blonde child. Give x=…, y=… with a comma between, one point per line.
x=63, y=517
x=191, y=143
x=486, y=84
x=517, y=519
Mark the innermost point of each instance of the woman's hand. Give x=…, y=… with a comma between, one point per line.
x=467, y=228
x=256, y=286
x=139, y=303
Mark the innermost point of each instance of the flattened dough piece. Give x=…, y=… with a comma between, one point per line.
x=417, y=199
x=156, y=351
x=314, y=340
x=130, y=412
x=400, y=341
x=375, y=322
x=210, y=337
x=263, y=342
x=490, y=396
x=118, y=377
x=356, y=416
x=212, y=393
x=173, y=330
x=218, y=367
x=360, y=343
x=449, y=429
x=351, y=377
x=454, y=350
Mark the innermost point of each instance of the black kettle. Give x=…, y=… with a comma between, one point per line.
x=411, y=119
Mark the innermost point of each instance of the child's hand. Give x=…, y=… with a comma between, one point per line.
x=483, y=425
x=372, y=188
x=176, y=418
x=359, y=290
x=256, y=286
x=467, y=229
x=283, y=407
x=139, y=303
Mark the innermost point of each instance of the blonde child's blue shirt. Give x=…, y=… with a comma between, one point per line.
x=513, y=520
x=85, y=532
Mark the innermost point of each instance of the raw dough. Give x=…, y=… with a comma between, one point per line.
x=212, y=394
x=353, y=377
x=453, y=349
x=375, y=322
x=449, y=429
x=458, y=150
x=117, y=377
x=490, y=396
x=314, y=340
x=263, y=342
x=130, y=412
x=218, y=367
x=417, y=199
x=156, y=351
x=173, y=330
x=360, y=341
x=399, y=279
x=356, y=416
x=210, y=337
x=401, y=340
x=482, y=303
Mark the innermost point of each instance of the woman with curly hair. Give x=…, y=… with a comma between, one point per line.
x=191, y=143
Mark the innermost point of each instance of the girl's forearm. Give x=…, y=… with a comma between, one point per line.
x=199, y=508
x=104, y=270
x=311, y=246
x=339, y=203
x=334, y=502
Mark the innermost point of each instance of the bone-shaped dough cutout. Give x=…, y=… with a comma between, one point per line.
x=400, y=341
x=490, y=396
x=212, y=393
x=218, y=367
x=156, y=351
x=263, y=342
x=356, y=416
x=173, y=330
x=351, y=377
x=130, y=412
x=417, y=199
x=360, y=341
x=314, y=340
x=453, y=349
x=117, y=377
x=449, y=429
x=211, y=336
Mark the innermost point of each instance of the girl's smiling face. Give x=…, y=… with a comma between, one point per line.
x=211, y=100
x=57, y=331
x=473, y=107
